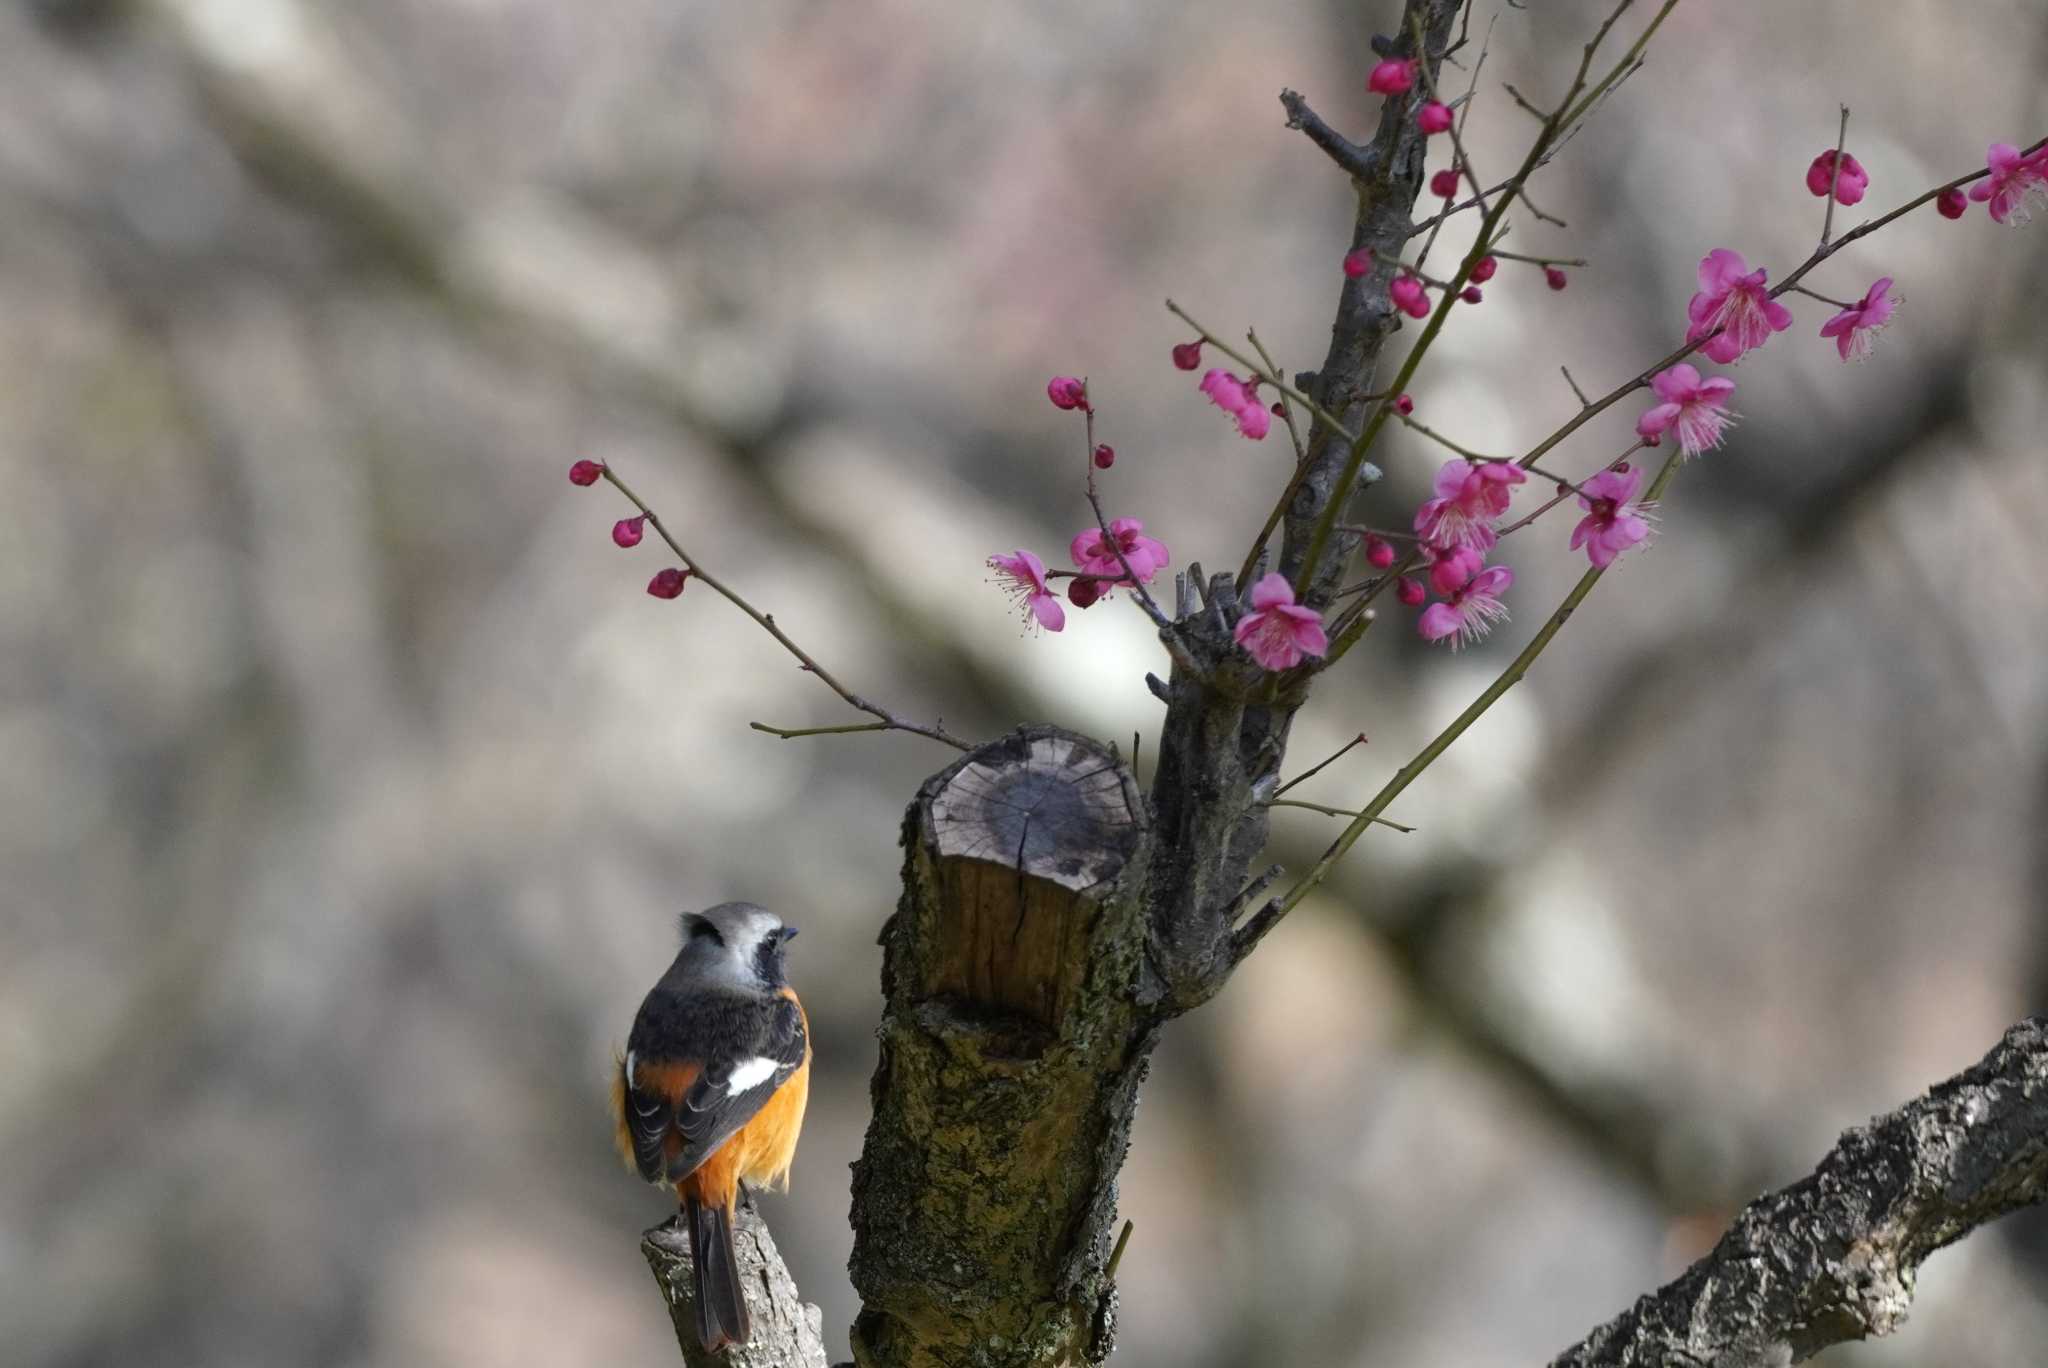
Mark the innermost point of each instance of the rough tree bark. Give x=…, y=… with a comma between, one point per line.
x=1834, y=1256
x=1012, y=1050
x=787, y=1331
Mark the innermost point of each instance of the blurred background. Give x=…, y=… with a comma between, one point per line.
x=350, y=784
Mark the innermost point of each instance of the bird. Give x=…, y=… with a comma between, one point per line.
x=709, y=1094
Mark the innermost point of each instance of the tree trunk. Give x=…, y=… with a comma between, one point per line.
x=1012, y=1051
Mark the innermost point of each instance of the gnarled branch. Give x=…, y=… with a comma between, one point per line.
x=1834, y=1256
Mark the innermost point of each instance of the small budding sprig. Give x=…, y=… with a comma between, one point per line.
x=1114, y=552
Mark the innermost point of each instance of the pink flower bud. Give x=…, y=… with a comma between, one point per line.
x=1434, y=117
x=1082, y=593
x=1409, y=296
x=1850, y=183
x=1358, y=263
x=1951, y=204
x=1444, y=184
x=1392, y=77
x=1105, y=456
x=668, y=583
x=1066, y=392
x=1483, y=269
x=1278, y=409
x=1187, y=355
x=1409, y=590
x=1379, y=552
x=1403, y=405
x=627, y=532
x=1554, y=278
x=586, y=472
x=1471, y=294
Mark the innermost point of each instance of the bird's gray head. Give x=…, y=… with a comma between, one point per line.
x=738, y=942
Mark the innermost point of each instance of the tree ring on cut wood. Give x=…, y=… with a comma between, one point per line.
x=1026, y=838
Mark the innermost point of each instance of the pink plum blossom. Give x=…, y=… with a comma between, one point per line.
x=2017, y=186
x=1392, y=77
x=1095, y=556
x=1239, y=399
x=1610, y=526
x=1409, y=296
x=668, y=583
x=1469, y=496
x=1733, y=299
x=1023, y=578
x=1849, y=185
x=1856, y=327
x=1434, y=117
x=1696, y=407
x=1278, y=632
x=1067, y=392
x=1470, y=609
x=1454, y=567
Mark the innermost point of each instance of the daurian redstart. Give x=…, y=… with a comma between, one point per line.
x=711, y=1090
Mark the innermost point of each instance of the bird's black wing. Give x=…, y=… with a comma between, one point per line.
x=738, y=1081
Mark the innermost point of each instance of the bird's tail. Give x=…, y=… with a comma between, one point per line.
x=721, y=1303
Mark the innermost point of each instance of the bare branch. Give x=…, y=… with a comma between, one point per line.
x=1356, y=161
x=889, y=720
x=1833, y=1257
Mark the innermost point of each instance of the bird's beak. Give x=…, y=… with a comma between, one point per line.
x=788, y=934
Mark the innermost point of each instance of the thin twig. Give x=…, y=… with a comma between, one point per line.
x=1584, y=402
x=1317, y=768
x=889, y=721
x=1827, y=220
x=1109, y=538
x=1286, y=408
x=1354, y=160
x=1328, y=811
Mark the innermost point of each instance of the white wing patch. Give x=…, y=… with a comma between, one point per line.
x=752, y=1073
x=629, y=1068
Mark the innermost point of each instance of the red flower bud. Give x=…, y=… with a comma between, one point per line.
x=1951, y=204
x=1554, y=278
x=627, y=531
x=1483, y=269
x=1471, y=294
x=1379, y=552
x=668, y=583
x=1082, y=593
x=1409, y=590
x=586, y=472
x=1403, y=405
x=1105, y=456
x=1066, y=392
x=1187, y=355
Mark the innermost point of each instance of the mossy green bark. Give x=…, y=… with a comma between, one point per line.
x=1012, y=1051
